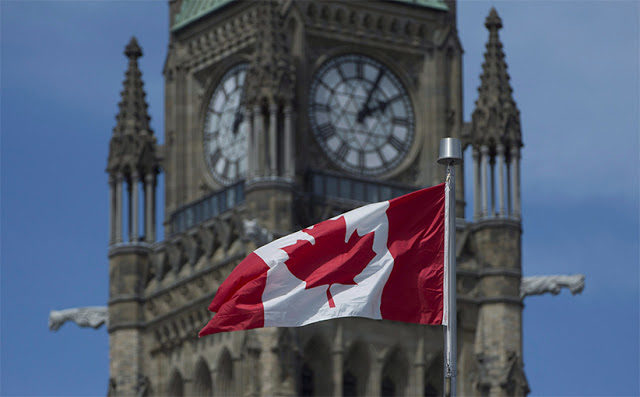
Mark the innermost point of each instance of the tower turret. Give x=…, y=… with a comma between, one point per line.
x=270, y=91
x=133, y=163
x=495, y=135
x=133, y=158
x=496, y=234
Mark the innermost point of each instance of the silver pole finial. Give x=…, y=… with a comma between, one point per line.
x=450, y=151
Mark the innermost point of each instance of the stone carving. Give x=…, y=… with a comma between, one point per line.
x=92, y=316
x=256, y=233
x=271, y=74
x=367, y=25
x=218, y=42
x=111, y=390
x=142, y=386
x=222, y=231
x=513, y=380
x=193, y=247
x=206, y=237
x=175, y=253
x=539, y=285
x=160, y=263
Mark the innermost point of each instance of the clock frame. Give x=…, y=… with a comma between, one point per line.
x=226, y=127
x=361, y=114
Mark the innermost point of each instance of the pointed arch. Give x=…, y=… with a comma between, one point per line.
x=356, y=370
x=316, y=375
x=307, y=381
x=224, y=376
x=395, y=372
x=176, y=384
x=286, y=355
x=349, y=384
x=203, y=384
x=433, y=377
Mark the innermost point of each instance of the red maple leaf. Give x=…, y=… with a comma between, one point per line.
x=330, y=260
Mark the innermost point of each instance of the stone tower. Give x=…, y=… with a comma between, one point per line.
x=133, y=163
x=495, y=237
x=279, y=114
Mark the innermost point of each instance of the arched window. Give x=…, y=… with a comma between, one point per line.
x=395, y=372
x=356, y=370
x=388, y=388
x=433, y=377
x=430, y=390
x=306, y=388
x=349, y=384
x=203, y=386
x=316, y=377
x=175, y=387
x=224, y=378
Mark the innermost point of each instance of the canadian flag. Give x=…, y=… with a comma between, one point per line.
x=382, y=261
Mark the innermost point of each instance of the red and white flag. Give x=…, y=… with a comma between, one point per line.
x=381, y=261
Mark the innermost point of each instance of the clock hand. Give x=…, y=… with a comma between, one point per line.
x=381, y=106
x=238, y=118
x=365, y=111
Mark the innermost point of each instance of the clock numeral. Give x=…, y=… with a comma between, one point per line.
x=341, y=73
x=378, y=78
x=325, y=85
x=400, y=121
x=225, y=171
x=320, y=107
x=396, y=143
x=393, y=99
x=326, y=130
x=210, y=135
x=236, y=169
x=342, y=151
x=361, y=160
x=215, y=156
x=359, y=70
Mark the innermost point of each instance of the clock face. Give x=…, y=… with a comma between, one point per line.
x=226, y=128
x=361, y=114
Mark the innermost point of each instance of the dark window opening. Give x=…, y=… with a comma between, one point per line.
x=349, y=385
x=307, y=381
x=388, y=387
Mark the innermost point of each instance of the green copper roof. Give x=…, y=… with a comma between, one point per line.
x=194, y=9
x=437, y=4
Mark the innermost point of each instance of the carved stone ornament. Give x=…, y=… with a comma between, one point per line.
x=254, y=232
x=539, y=285
x=271, y=74
x=142, y=386
x=92, y=316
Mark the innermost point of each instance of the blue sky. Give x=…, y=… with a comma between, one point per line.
x=574, y=69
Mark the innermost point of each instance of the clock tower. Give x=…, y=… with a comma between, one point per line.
x=279, y=114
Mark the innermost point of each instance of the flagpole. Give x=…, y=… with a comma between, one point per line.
x=450, y=155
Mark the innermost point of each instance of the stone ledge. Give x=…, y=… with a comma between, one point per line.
x=496, y=222
x=129, y=325
x=125, y=299
x=139, y=247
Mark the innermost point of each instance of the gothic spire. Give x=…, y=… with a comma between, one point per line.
x=496, y=117
x=133, y=117
x=133, y=146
